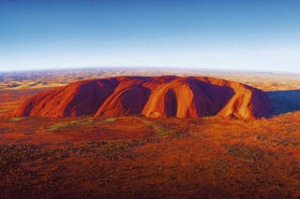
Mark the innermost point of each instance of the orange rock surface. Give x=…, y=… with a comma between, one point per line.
x=155, y=97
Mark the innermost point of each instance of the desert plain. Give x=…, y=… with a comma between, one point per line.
x=139, y=157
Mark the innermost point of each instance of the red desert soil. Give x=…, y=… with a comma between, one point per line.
x=140, y=157
x=153, y=97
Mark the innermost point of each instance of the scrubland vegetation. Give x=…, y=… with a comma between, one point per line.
x=136, y=157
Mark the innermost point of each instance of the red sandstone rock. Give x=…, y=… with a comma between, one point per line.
x=155, y=97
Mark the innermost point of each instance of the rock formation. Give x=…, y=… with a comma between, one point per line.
x=155, y=97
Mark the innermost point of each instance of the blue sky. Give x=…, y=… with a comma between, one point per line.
x=258, y=35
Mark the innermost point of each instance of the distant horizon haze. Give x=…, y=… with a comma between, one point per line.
x=151, y=68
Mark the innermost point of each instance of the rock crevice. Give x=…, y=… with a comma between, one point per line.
x=155, y=97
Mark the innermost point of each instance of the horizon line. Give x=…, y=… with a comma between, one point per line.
x=247, y=70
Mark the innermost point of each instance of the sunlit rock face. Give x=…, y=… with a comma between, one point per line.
x=154, y=97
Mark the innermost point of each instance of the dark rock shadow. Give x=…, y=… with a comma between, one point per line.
x=284, y=101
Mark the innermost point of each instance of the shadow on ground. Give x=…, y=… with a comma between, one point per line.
x=284, y=101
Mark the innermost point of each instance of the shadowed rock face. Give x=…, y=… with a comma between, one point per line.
x=155, y=97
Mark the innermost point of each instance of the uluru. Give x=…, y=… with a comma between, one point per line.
x=153, y=97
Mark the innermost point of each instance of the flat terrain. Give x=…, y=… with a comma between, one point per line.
x=53, y=78
x=136, y=157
